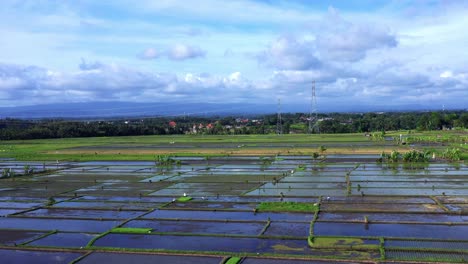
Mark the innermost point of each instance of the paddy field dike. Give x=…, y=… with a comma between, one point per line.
x=326, y=198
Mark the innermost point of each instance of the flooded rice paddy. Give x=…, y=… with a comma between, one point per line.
x=71, y=213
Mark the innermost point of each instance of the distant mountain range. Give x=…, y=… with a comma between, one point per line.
x=92, y=110
x=128, y=109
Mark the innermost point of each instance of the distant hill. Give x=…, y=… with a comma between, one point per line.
x=91, y=110
x=128, y=109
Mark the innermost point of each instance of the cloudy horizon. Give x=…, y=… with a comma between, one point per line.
x=364, y=53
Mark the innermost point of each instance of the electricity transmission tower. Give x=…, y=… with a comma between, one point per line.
x=313, y=115
x=279, y=123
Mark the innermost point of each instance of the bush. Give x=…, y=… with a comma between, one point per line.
x=452, y=154
x=416, y=156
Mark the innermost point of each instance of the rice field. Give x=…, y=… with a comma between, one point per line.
x=239, y=207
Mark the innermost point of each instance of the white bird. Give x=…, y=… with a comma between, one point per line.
x=185, y=194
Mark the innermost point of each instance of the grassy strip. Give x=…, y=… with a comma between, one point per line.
x=91, y=242
x=382, y=248
x=310, y=239
x=233, y=260
x=350, y=254
x=265, y=227
x=53, y=149
x=184, y=199
x=161, y=206
x=440, y=204
x=346, y=243
x=131, y=230
x=18, y=214
x=39, y=237
x=342, y=243
x=80, y=258
x=287, y=207
x=260, y=184
x=316, y=213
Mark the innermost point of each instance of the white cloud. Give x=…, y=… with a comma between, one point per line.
x=289, y=53
x=87, y=66
x=184, y=52
x=176, y=52
x=149, y=54
x=367, y=55
x=234, y=77
x=337, y=40
x=7, y=83
x=446, y=74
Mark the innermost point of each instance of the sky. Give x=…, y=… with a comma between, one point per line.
x=395, y=54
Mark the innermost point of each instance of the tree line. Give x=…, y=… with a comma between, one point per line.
x=11, y=129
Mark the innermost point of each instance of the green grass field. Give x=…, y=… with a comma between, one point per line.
x=287, y=207
x=135, y=147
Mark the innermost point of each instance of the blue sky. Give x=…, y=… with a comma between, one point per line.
x=360, y=53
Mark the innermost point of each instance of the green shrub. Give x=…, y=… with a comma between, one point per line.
x=452, y=154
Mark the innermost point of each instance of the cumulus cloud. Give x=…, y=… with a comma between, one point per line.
x=352, y=43
x=149, y=54
x=184, y=52
x=364, y=54
x=86, y=66
x=177, y=52
x=334, y=40
x=32, y=85
x=446, y=74
x=341, y=40
x=289, y=53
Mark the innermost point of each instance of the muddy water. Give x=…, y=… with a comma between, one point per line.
x=296, y=192
x=426, y=244
x=37, y=257
x=18, y=205
x=284, y=261
x=199, y=227
x=226, y=215
x=288, y=229
x=71, y=240
x=124, y=199
x=77, y=213
x=5, y=212
x=434, y=256
x=392, y=230
x=391, y=217
x=11, y=237
x=211, y=205
x=122, y=258
x=202, y=243
x=57, y=224
x=107, y=205
x=382, y=207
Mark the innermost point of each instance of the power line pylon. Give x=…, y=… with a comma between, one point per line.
x=279, y=122
x=313, y=115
